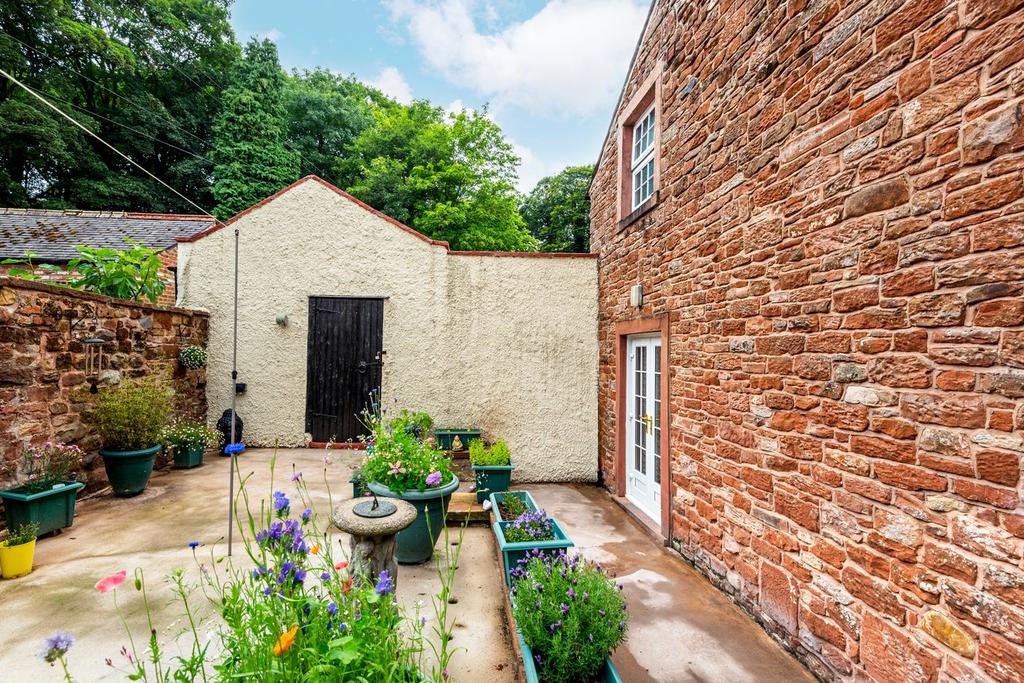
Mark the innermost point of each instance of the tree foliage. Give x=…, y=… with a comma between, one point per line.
x=449, y=176
x=557, y=211
x=166, y=82
x=248, y=146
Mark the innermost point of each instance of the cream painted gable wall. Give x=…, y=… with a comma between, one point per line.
x=506, y=343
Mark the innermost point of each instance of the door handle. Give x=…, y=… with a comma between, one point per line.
x=648, y=423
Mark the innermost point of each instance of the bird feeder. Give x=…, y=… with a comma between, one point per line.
x=93, y=361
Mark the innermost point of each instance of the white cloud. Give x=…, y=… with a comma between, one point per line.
x=569, y=58
x=391, y=82
x=533, y=168
x=273, y=35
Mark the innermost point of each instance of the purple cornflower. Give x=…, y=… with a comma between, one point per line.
x=343, y=627
x=57, y=646
x=332, y=609
x=384, y=584
x=433, y=479
x=297, y=476
x=306, y=514
x=281, y=503
x=325, y=576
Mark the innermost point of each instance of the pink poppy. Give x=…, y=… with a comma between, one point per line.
x=111, y=582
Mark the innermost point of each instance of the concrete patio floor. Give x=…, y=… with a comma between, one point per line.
x=152, y=532
x=682, y=629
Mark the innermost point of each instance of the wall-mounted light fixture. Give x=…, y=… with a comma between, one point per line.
x=282, y=319
x=636, y=295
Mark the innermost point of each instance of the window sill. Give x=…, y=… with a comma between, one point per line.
x=639, y=212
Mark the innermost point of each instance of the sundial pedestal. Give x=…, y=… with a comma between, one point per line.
x=372, y=545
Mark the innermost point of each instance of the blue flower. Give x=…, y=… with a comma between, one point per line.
x=281, y=503
x=384, y=584
x=332, y=609
x=193, y=544
x=343, y=627
x=297, y=476
x=325, y=576
x=306, y=514
x=57, y=646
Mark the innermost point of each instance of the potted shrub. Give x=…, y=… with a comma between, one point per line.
x=398, y=465
x=507, y=505
x=530, y=531
x=455, y=439
x=47, y=496
x=189, y=439
x=417, y=424
x=492, y=467
x=18, y=551
x=129, y=418
x=193, y=357
x=570, y=617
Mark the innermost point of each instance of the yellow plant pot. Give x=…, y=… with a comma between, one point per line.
x=16, y=560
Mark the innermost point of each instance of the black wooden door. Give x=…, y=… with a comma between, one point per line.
x=343, y=365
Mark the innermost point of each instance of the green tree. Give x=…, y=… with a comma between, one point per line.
x=449, y=176
x=141, y=74
x=557, y=210
x=249, y=135
x=325, y=113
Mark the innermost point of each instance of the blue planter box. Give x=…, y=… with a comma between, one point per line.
x=524, y=496
x=608, y=674
x=491, y=479
x=511, y=553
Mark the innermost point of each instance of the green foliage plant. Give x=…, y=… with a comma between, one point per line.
x=27, y=267
x=132, y=415
x=189, y=433
x=511, y=507
x=26, y=533
x=397, y=459
x=498, y=455
x=416, y=423
x=193, y=357
x=571, y=615
x=131, y=274
x=43, y=466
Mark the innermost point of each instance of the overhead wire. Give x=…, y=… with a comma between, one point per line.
x=60, y=111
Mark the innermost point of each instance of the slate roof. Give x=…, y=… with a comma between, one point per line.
x=53, y=234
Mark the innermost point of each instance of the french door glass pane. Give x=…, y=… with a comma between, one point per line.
x=656, y=412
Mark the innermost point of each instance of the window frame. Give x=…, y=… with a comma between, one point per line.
x=645, y=100
x=637, y=166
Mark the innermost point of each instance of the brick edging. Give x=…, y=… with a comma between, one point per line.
x=18, y=283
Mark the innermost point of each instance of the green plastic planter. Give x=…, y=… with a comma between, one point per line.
x=524, y=496
x=188, y=457
x=51, y=509
x=415, y=543
x=491, y=479
x=129, y=471
x=607, y=674
x=511, y=553
x=445, y=437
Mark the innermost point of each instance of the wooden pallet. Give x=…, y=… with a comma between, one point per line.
x=463, y=507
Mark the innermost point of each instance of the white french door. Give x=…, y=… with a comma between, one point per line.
x=643, y=424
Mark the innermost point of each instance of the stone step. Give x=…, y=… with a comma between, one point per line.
x=463, y=507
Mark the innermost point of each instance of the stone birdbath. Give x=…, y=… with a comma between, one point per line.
x=373, y=529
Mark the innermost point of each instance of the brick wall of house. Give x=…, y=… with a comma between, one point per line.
x=839, y=245
x=44, y=388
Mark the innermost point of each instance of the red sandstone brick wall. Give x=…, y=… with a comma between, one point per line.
x=839, y=244
x=44, y=389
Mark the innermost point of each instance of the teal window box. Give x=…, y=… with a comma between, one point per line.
x=187, y=457
x=445, y=437
x=608, y=674
x=51, y=509
x=524, y=496
x=492, y=479
x=511, y=553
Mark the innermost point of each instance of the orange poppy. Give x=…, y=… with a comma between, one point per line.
x=285, y=641
x=315, y=549
x=347, y=586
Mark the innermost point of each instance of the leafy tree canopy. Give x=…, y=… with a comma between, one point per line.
x=166, y=82
x=557, y=211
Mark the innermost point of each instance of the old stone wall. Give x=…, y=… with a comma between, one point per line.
x=838, y=241
x=44, y=385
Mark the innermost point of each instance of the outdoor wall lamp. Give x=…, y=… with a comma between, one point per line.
x=636, y=295
x=282, y=319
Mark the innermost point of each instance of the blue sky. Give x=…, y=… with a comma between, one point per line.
x=550, y=70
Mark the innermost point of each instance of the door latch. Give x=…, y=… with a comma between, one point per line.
x=363, y=366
